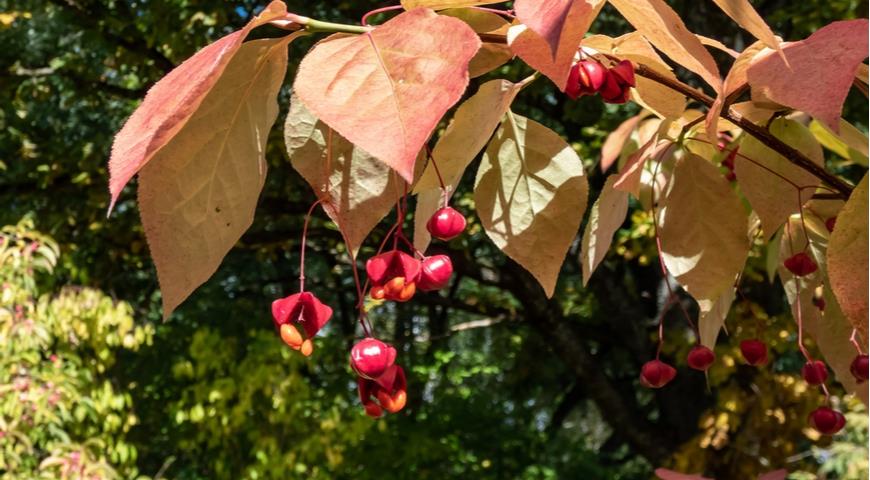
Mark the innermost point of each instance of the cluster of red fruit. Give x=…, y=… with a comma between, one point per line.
x=394, y=275
x=588, y=77
x=657, y=374
x=728, y=162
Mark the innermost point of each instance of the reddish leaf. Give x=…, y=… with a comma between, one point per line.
x=386, y=90
x=537, y=52
x=171, y=102
x=824, y=64
x=615, y=141
x=198, y=194
x=547, y=19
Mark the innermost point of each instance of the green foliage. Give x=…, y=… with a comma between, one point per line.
x=60, y=414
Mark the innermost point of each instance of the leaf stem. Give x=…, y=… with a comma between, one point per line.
x=330, y=27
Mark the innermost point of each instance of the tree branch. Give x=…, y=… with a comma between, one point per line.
x=762, y=134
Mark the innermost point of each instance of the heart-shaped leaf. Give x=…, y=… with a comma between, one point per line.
x=531, y=194
x=386, y=90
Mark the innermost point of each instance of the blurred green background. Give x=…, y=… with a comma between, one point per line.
x=503, y=382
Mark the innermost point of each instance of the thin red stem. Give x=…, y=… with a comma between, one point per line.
x=302, y=253
x=503, y=13
x=378, y=10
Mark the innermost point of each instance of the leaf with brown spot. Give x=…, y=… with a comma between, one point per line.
x=197, y=195
x=530, y=195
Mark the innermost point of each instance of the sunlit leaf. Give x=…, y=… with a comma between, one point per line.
x=848, y=258
x=491, y=55
x=605, y=218
x=768, y=179
x=173, y=100
x=702, y=227
x=824, y=63
x=386, y=90
x=356, y=190
x=663, y=28
x=531, y=195
x=742, y=12
x=198, y=193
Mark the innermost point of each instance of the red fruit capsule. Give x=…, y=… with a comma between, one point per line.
x=831, y=223
x=815, y=372
x=612, y=91
x=800, y=264
x=754, y=351
x=446, y=224
x=624, y=73
x=370, y=358
x=700, y=358
x=585, y=78
x=656, y=374
x=859, y=368
x=827, y=420
x=436, y=273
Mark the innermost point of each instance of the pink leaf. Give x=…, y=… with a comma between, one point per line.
x=615, y=141
x=386, y=90
x=172, y=101
x=547, y=19
x=539, y=53
x=735, y=80
x=819, y=72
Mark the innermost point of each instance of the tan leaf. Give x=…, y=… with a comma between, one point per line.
x=605, y=218
x=742, y=12
x=535, y=50
x=825, y=64
x=356, y=190
x=530, y=195
x=712, y=315
x=712, y=42
x=848, y=260
x=444, y=4
x=491, y=55
x=615, y=141
x=772, y=197
x=468, y=132
x=197, y=195
x=735, y=80
x=386, y=90
x=171, y=102
x=702, y=227
x=664, y=28
x=755, y=113
x=629, y=178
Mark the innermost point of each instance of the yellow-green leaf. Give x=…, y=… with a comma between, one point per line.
x=197, y=195
x=606, y=216
x=531, y=194
x=848, y=258
x=772, y=197
x=850, y=143
x=356, y=189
